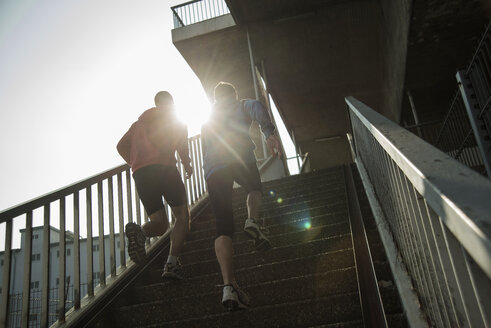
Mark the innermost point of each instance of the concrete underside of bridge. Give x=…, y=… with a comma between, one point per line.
x=314, y=53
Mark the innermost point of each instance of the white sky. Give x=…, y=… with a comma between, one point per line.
x=73, y=76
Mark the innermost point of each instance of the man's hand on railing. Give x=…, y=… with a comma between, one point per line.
x=189, y=171
x=274, y=146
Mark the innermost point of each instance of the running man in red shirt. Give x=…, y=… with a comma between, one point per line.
x=149, y=148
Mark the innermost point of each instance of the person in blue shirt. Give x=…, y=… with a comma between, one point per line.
x=228, y=157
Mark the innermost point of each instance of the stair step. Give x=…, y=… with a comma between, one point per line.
x=261, y=293
x=271, y=194
x=303, y=313
x=308, y=178
x=251, y=260
x=348, y=324
x=270, y=202
x=276, y=225
x=286, y=213
x=288, y=235
x=246, y=273
x=335, y=203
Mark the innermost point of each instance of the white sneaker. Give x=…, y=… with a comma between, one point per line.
x=234, y=299
x=257, y=232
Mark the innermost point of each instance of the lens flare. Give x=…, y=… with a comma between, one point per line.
x=279, y=200
x=307, y=225
x=271, y=192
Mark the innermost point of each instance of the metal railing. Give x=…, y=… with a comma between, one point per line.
x=16, y=301
x=428, y=130
x=456, y=137
x=305, y=166
x=466, y=130
x=197, y=11
x=117, y=204
x=436, y=211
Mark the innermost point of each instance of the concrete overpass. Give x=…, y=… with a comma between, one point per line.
x=315, y=53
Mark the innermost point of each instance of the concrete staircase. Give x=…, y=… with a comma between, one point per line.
x=307, y=280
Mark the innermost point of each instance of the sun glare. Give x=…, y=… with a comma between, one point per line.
x=194, y=112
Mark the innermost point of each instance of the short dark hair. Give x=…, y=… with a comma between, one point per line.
x=163, y=98
x=224, y=90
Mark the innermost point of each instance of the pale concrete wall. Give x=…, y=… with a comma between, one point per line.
x=326, y=154
x=396, y=16
x=273, y=170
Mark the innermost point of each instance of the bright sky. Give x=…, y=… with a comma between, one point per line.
x=73, y=76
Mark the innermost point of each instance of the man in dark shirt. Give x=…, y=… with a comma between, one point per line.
x=228, y=157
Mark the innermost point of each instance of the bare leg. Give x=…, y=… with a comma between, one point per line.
x=178, y=235
x=157, y=225
x=254, y=200
x=224, y=250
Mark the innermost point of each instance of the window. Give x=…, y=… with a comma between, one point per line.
x=36, y=257
x=97, y=275
x=34, y=284
x=118, y=244
x=1, y=262
x=95, y=248
x=35, y=236
x=57, y=281
x=68, y=252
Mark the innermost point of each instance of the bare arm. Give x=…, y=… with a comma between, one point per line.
x=259, y=114
x=183, y=151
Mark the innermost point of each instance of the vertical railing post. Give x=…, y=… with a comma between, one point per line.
x=193, y=177
x=122, y=246
x=112, y=249
x=90, y=259
x=45, y=263
x=62, y=267
x=128, y=196
x=200, y=166
x=6, y=274
x=76, y=250
x=26, y=296
x=102, y=255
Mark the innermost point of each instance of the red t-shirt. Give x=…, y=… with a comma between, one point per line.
x=154, y=139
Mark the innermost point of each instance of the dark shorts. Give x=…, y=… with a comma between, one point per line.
x=156, y=181
x=220, y=187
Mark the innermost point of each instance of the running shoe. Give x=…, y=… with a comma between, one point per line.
x=234, y=299
x=136, y=242
x=173, y=271
x=257, y=232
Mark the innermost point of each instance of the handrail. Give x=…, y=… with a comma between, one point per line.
x=439, y=212
x=305, y=161
x=196, y=11
x=37, y=202
x=116, y=203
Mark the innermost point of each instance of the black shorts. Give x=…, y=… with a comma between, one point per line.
x=156, y=181
x=220, y=186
